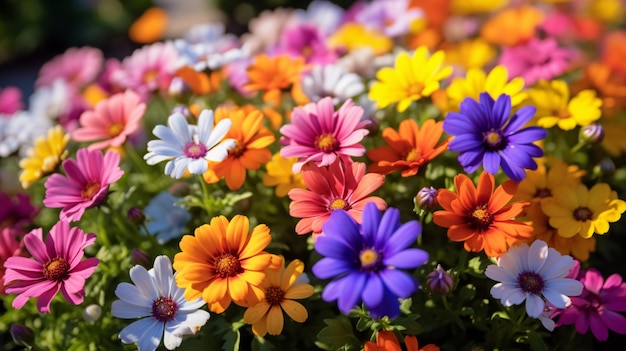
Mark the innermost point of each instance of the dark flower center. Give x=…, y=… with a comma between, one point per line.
x=530, y=282
x=494, y=140
x=274, y=295
x=544, y=192
x=326, y=142
x=90, y=190
x=237, y=151
x=193, y=150
x=480, y=217
x=57, y=269
x=164, y=309
x=227, y=265
x=583, y=214
x=371, y=260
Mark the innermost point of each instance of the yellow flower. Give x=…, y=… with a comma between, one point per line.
x=471, y=7
x=353, y=36
x=411, y=79
x=44, y=157
x=576, y=210
x=542, y=182
x=614, y=141
x=471, y=53
x=554, y=106
x=280, y=288
x=279, y=174
x=476, y=81
x=606, y=11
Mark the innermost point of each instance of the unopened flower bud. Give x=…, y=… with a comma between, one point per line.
x=605, y=168
x=439, y=281
x=591, y=134
x=136, y=215
x=22, y=335
x=139, y=257
x=92, y=313
x=426, y=198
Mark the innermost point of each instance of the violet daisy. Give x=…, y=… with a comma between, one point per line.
x=366, y=261
x=56, y=264
x=85, y=184
x=535, y=274
x=188, y=147
x=320, y=134
x=485, y=133
x=161, y=305
x=598, y=307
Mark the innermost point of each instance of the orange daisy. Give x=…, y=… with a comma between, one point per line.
x=274, y=75
x=409, y=148
x=386, y=341
x=251, y=149
x=519, y=24
x=223, y=263
x=482, y=217
x=280, y=288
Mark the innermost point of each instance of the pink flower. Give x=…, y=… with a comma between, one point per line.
x=77, y=66
x=317, y=133
x=86, y=184
x=598, y=305
x=148, y=69
x=536, y=59
x=340, y=186
x=10, y=101
x=306, y=40
x=55, y=265
x=9, y=247
x=113, y=119
x=16, y=211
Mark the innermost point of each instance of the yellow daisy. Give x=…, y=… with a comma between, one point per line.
x=280, y=174
x=44, y=157
x=353, y=36
x=576, y=210
x=554, y=106
x=473, y=7
x=280, y=288
x=412, y=78
x=548, y=176
x=470, y=53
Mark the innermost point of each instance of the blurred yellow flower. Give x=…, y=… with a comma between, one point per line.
x=472, y=7
x=280, y=175
x=353, y=36
x=412, y=78
x=471, y=53
x=614, y=141
x=606, y=11
x=44, y=157
x=554, y=106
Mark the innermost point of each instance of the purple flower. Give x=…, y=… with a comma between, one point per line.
x=366, y=261
x=484, y=132
x=598, y=306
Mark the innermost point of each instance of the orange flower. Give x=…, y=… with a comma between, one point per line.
x=387, y=341
x=250, y=151
x=274, y=75
x=149, y=27
x=280, y=288
x=519, y=24
x=223, y=263
x=482, y=217
x=409, y=148
x=199, y=82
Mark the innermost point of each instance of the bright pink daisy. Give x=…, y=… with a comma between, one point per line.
x=306, y=40
x=341, y=185
x=113, y=120
x=56, y=265
x=76, y=66
x=148, y=69
x=10, y=101
x=320, y=134
x=9, y=247
x=86, y=184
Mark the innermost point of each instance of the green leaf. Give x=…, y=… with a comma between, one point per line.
x=337, y=334
x=476, y=265
x=536, y=342
x=467, y=293
x=260, y=344
x=231, y=340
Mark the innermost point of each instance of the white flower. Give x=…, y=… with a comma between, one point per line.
x=189, y=147
x=331, y=80
x=533, y=274
x=50, y=101
x=162, y=306
x=19, y=131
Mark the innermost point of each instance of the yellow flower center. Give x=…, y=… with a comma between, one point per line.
x=115, y=129
x=274, y=295
x=227, y=265
x=583, y=214
x=481, y=218
x=493, y=139
x=150, y=76
x=90, y=190
x=412, y=155
x=368, y=257
x=306, y=51
x=56, y=269
x=326, y=142
x=338, y=204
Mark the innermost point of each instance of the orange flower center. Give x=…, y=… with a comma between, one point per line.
x=493, y=139
x=150, y=76
x=326, y=142
x=56, y=269
x=563, y=114
x=530, y=282
x=412, y=155
x=227, y=265
x=415, y=89
x=237, y=151
x=306, y=51
x=274, y=295
x=338, y=204
x=164, y=309
x=115, y=129
x=583, y=214
x=90, y=190
x=480, y=217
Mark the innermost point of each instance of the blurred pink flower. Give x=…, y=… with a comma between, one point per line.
x=86, y=184
x=56, y=265
x=113, y=120
x=16, y=211
x=10, y=101
x=306, y=40
x=77, y=66
x=9, y=247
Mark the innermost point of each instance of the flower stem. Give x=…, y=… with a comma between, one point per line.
x=206, y=194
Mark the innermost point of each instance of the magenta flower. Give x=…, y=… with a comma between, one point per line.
x=76, y=66
x=56, y=265
x=307, y=41
x=16, y=211
x=10, y=101
x=9, y=247
x=536, y=59
x=86, y=184
x=112, y=121
x=598, y=307
x=320, y=134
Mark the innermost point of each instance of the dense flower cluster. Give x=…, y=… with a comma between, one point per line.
x=448, y=171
